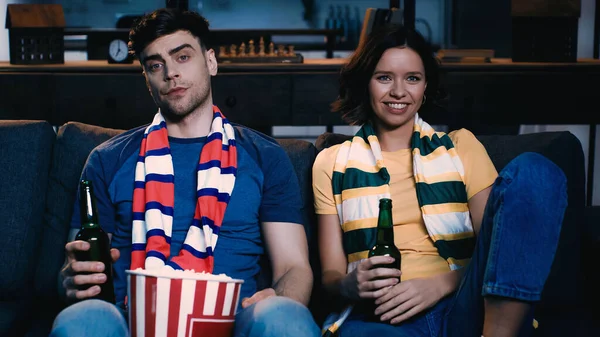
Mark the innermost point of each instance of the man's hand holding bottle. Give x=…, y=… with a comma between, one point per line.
x=82, y=279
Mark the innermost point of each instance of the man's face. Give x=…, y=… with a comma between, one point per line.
x=178, y=73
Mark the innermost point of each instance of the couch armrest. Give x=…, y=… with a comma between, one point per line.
x=590, y=254
x=591, y=225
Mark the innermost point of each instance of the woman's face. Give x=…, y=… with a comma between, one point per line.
x=397, y=87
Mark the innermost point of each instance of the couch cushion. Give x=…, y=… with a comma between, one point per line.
x=562, y=288
x=591, y=252
x=73, y=144
x=562, y=147
x=25, y=150
x=302, y=154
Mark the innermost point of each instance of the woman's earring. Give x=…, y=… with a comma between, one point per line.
x=424, y=99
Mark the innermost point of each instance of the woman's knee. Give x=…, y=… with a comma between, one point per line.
x=537, y=167
x=90, y=318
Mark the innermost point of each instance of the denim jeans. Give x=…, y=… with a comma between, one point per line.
x=275, y=316
x=514, y=252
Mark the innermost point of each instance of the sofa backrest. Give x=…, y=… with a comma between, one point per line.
x=72, y=144
x=65, y=154
x=25, y=150
x=74, y=141
x=562, y=147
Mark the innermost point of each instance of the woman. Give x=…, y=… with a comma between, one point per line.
x=476, y=245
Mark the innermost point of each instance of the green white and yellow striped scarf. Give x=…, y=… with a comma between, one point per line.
x=360, y=179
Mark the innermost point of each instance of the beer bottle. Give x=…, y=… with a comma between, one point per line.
x=97, y=238
x=385, y=236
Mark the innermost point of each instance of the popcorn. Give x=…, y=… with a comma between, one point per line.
x=183, y=274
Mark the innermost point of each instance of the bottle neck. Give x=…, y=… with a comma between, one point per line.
x=89, y=216
x=385, y=227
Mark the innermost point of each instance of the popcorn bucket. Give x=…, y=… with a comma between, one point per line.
x=181, y=303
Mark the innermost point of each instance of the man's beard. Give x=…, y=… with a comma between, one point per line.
x=177, y=112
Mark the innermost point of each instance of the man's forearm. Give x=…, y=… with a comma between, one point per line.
x=296, y=284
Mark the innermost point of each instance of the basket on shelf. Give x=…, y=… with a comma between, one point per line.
x=36, y=33
x=545, y=30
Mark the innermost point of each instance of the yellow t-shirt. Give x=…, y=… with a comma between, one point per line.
x=420, y=258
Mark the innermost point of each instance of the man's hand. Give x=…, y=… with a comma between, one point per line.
x=258, y=296
x=368, y=282
x=408, y=298
x=77, y=274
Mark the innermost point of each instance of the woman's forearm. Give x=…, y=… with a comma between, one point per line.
x=332, y=282
x=449, y=282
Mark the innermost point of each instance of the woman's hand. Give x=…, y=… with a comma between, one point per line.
x=368, y=282
x=411, y=297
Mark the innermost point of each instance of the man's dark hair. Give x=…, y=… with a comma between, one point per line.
x=163, y=22
x=353, y=102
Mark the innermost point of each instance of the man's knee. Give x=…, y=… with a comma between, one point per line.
x=90, y=318
x=279, y=306
x=280, y=316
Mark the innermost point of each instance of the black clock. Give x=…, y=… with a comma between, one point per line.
x=118, y=52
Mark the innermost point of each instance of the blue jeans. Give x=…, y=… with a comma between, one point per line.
x=275, y=316
x=512, y=258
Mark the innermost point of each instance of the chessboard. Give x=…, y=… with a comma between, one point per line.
x=249, y=53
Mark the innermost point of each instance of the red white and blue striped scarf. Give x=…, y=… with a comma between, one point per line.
x=153, y=198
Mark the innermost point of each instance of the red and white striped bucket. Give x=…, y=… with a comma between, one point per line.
x=184, y=305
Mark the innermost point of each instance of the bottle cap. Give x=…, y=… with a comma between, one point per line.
x=385, y=202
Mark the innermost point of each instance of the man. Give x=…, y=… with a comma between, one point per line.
x=258, y=196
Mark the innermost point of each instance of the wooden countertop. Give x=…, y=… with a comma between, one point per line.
x=309, y=65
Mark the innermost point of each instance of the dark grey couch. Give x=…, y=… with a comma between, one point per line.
x=39, y=171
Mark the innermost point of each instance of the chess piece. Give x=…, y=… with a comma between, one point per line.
x=232, y=50
x=242, y=50
x=280, y=50
x=261, y=47
x=251, y=49
x=271, y=49
x=291, y=51
x=222, y=51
